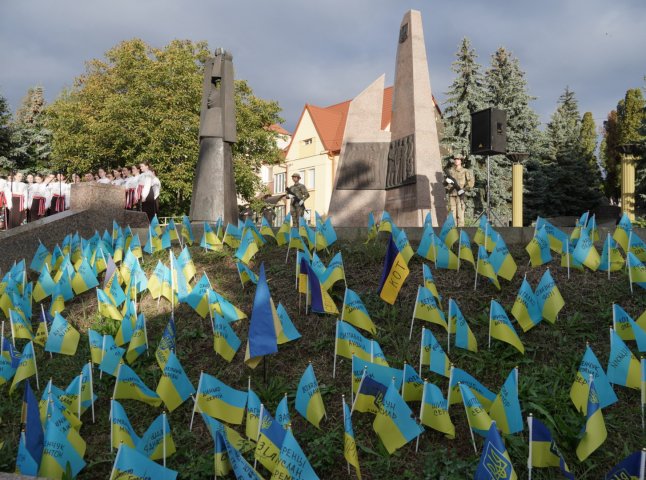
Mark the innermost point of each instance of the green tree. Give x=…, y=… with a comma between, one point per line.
x=30, y=137
x=465, y=96
x=631, y=130
x=588, y=147
x=141, y=103
x=610, y=159
x=5, y=134
x=506, y=89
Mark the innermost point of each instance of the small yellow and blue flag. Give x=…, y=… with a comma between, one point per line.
x=309, y=402
x=134, y=465
x=580, y=389
x=501, y=328
x=594, y=431
x=292, y=462
x=543, y=451
x=482, y=393
x=449, y=233
x=525, y=309
x=622, y=231
x=494, y=463
x=355, y=312
x=630, y=468
x=464, y=337
x=225, y=341
x=432, y=354
x=349, y=444
x=128, y=385
x=539, y=248
x=548, y=296
x=479, y=420
x=219, y=400
x=505, y=409
x=63, y=337
x=434, y=411
x=623, y=368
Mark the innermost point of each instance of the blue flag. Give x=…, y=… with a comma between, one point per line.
x=495, y=463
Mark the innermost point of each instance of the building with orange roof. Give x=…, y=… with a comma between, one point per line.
x=313, y=151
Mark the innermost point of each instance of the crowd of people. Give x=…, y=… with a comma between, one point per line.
x=27, y=198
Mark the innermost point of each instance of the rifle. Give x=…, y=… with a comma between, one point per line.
x=452, y=184
x=292, y=193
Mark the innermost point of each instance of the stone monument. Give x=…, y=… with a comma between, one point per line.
x=399, y=171
x=214, y=192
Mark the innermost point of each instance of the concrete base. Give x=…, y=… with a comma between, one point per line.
x=214, y=190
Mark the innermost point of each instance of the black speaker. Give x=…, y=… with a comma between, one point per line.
x=489, y=132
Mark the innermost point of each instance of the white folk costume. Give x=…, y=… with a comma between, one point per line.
x=146, y=180
x=18, y=210
x=132, y=198
x=60, y=197
x=38, y=201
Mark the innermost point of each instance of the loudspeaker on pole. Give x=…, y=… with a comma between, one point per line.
x=489, y=132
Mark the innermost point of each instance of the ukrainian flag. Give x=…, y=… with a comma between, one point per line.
x=289, y=332
x=198, y=299
x=355, y=312
x=241, y=468
x=112, y=355
x=41, y=258
x=96, y=346
x=403, y=245
x=20, y=326
x=62, y=447
x=594, y=432
x=306, y=232
x=580, y=388
x=135, y=466
x=349, y=445
x=557, y=238
x=412, y=384
x=293, y=464
x=544, y=452
x=429, y=282
x=623, y=231
x=500, y=327
x=282, y=412
x=449, y=233
x=248, y=247
x=478, y=419
x=567, y=256
x=246, y=274
x=84, y=279
x=320, y=300
x=484, y=268
x=395, y=422
x=636, y=270
x=482, y=393
x=464, y=247
x=210, y=240
x=270, y=440
x=266, y=230
x=225, y=341
x=219, y=400
x=325, y=234
x=309, y=402
x=159, y=283
x=386, y=223
x=464, y=337
x=428, y=244
x=505, y=409
x=525, y=309
x=253, y=414
x=621, y=322
x=434, y=412
x=369, y=381
x=372, y=228
x=223, y=307
x=106, y=307
x=585, y=253
x=295, y=239
x=166, y=344
x=139, y=341
x=623, y=367
x=27, y=366
x=550, y=301
x=539, y=248
x=185, y=263
x=630, y=468
x=445, y=258
x=63, y=337
x=282, y=236
x=129, y=385
x=611, y=259
x=120, y=427
x=44, y=286
x=187, y=230
x=350, y=342
x=432, y=354
x=494, y=461
x=427, y=309
x=502, y=261
x=157, y=439
x=334, y=272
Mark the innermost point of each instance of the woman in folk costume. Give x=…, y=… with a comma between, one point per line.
x=18, y=192
x=147, y=192
x=59, y=191
x=38, y=199
x=5, y=202
x=132, y=187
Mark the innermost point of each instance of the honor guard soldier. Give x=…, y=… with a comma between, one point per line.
x=458, y=181
x=298, y=194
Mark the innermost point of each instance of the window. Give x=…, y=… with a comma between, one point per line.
x=308, y=141
x=279, y=183
x=310, y=178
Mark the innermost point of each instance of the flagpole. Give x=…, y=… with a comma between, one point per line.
x=102, y=356
x=336, y=340
x=114, y=467
x=42, y=309
x=475, y=283
x=91, y=390
x=13, y=335
x=164, y=438
x=78, y=411
x=473, y=438
x=448, y=393
x=459, y=248
x=448, y=330
x=412, y=320
x=608, y=253
x=35, y=365
x=261, y=414
x=111, y=424
x=643, y=392
x=421, y=414
x=172, y=282
x=197, y=392
x=354, y=401
x=530, y=423
x=489, y=347
x=630, y=273
x=2, y=338
x=642, y=465
x=614, y=317
x=116, y=382
x=421, y=351
x=404, y=378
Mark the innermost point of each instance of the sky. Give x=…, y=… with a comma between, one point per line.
x=327, y=51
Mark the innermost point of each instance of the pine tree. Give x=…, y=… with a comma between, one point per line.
x=506, y=89
x=464, y=97
x=5, y=135
x=610, y=159
x=588, y=147
x=575, y=189
x=31, y=138
x=631, y=130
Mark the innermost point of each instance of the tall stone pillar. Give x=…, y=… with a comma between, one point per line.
x=414, y=174
x=517, y=195
x=628, y=161
x=214, y=191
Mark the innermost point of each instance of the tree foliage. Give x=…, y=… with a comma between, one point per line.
x=141, y=103
x=5, y=134
x=31, y=138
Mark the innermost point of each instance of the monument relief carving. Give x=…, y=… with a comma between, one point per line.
x=363, y=166
x=401, y=162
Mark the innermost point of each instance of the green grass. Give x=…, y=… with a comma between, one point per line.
x=547, y=370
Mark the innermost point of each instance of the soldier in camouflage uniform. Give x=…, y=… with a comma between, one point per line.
x=298, y=194
x=458, y=181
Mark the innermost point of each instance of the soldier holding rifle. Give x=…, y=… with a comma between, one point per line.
x=298, y=194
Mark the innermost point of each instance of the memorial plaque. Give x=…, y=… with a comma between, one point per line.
x=401, y=162
x=363, y=166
